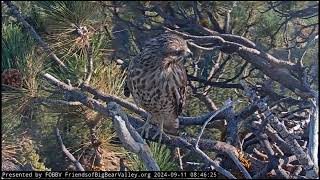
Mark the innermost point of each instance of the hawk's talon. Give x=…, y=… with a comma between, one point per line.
x=158, y=133
x=144, y=130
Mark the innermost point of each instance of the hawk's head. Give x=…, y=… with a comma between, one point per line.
x=168, y=47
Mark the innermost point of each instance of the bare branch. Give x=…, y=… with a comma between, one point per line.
x=67, y=153
x=227, y=21
x=303, y=158
x=75, y=94
x=215, y=84
x=95, y=143
x=214, y=22
x=207, y=101
x=314, y=131
x=214, y=164
x=109, y=98
x=239, y=165
x=204, y=48
x=276, y=69
x=228, y=104
x=130, y=138
x=232, y=127
x=89, y=64
x=57, y=102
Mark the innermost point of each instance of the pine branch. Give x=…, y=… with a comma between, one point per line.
x=15, y=12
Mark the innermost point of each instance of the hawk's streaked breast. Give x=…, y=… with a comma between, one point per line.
x=157, y=79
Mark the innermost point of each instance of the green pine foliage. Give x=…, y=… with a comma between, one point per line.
x=15, y=46
x=162, y=155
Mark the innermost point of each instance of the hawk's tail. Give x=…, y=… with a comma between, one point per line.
x=126, y=90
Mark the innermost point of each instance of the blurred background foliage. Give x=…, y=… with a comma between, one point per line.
x=116, y=32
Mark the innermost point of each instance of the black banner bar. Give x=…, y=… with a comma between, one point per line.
x=108, y=174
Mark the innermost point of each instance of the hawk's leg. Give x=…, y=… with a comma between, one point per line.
x=145, y=128
x=159, y=132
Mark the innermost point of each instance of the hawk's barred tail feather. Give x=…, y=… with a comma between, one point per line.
x=126, y=90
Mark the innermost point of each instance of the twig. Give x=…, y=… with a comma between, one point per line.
x=179, y=158
x=67, y=153
x=314, y=131
x=215, y=39
x=232, y=127
x=278, y=149
x=228, y=104
x=214, y=22
x=232, y=138
x=206, y=100
x=273, y=159
x=260, y=154
x=214, y=84
x=195, y=163
x=57, y=102
x=204, y=48
x=272, y=164
x=214, y=164
x=74, y=94
x=95, y=143
x=277, y=139
x=89, y=64
x=239, y=165
x=226, y=173
x=122, y=165
x=281, y=172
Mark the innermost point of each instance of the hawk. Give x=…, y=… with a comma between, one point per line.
x=157, y=80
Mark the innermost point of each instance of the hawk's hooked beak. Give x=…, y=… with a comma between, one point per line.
x=188, y=54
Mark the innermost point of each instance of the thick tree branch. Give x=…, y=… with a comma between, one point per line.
x=130, y=138
x=76, y=95
x=109, y=98
x=185, y=142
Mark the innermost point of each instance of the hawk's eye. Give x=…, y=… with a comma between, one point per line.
x=179, y=52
